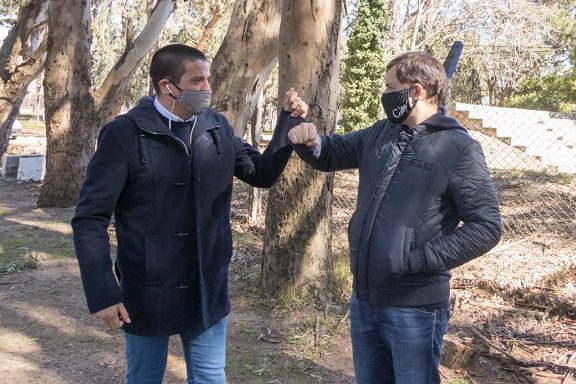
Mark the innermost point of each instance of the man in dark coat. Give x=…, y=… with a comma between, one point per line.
x=426, y=204
x=165, y=169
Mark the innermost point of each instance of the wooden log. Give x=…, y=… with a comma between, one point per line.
x=456, y=354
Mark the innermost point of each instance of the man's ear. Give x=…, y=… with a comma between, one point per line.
x=163, y=85
x=419, y=92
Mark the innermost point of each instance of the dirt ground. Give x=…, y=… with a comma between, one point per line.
x=47, y=336
x=514, y=312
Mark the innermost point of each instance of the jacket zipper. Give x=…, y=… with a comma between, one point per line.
x=188, y=171
x=192, y=143
x=171, y=136
x=390, y=160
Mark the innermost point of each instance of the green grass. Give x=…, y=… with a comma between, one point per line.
x=340, y=283
x=11, y=248
x=458, y=381
x=19, y=250
x=29, y=261
x=246, y=331
x=30, y=125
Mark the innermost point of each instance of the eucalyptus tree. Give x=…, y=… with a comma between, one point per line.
x=75, y=109
x=554, y=88
x=200, y=24
x=245, y=59
x=22, y=58
x=297, y=239
x=505, y=41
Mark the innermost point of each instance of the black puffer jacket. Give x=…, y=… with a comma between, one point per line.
x=416, y=186
x=172, y=215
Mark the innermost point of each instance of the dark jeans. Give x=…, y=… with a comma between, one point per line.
x=396, y=345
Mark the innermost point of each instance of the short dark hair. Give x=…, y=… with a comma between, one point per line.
x=423, y=68
x=168, y=62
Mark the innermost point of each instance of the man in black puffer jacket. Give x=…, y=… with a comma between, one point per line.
x=421, y=176
x=165, y=169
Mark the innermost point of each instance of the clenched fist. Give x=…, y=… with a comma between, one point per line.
x=306, y=134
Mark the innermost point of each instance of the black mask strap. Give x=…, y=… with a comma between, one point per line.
x=177, y=87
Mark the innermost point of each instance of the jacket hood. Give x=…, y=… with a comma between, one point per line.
x=441, y=121
x=145, y=115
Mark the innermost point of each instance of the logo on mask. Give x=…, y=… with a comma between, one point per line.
x=397, y=105
x=399, y=111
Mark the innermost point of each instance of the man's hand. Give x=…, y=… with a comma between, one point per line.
x=306, y=134
x=114, y=316
x=294, y=104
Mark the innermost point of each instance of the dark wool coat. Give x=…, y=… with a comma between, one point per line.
x=416, y=187
x=172, y=216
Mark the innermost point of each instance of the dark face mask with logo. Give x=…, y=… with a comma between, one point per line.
x=397, y=105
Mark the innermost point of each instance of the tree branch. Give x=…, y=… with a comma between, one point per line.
x=211, y=26
x=17, y=44
x=120, y=74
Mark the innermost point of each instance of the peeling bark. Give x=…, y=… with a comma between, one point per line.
x=255, y=196
x=74, y=113
x=22, y=58
x=245, y=60
x=297, y=240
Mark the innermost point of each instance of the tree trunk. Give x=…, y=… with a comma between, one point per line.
x=69, y=106
x=22, y=58
x=74, y=114
x=297, y=239
x=255, y=197
x=245, y=59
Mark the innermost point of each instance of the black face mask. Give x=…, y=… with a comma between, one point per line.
x=397, y=105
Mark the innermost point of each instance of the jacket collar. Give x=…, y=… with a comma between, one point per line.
x=439, y=122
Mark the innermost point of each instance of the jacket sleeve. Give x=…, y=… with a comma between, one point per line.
x=262, y=170
x=477, y=206
x=337, y=152
x=105, y=178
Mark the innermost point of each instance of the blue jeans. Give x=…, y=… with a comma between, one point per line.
x=396, y=345
x=204, y=353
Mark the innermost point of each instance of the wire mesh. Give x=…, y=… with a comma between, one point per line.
x=531, y=156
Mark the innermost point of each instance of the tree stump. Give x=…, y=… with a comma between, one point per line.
x=457, y=354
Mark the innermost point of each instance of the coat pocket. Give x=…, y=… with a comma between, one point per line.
x=152, y=259
x=353, y=241
x=407, y=242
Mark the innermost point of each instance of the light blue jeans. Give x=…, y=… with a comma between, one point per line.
x=204, y=353
x=396, y=345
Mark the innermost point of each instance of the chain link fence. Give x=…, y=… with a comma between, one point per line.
x=532, y=159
